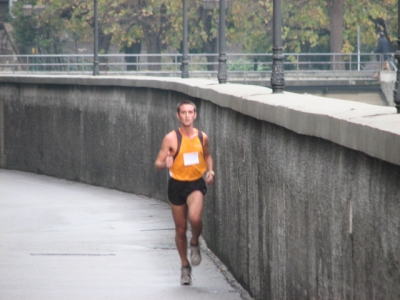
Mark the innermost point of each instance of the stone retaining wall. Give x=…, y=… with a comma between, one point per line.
x=306, y=199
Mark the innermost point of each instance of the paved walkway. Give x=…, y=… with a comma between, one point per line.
x=66, y=240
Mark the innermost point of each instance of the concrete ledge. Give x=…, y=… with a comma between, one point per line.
x=371, y=129
x=388, y=81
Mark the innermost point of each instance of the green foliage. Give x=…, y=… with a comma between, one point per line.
x=305, y=24
x=371, y=16
x=41, y=31
x=24, y=28
x=241, y=65
x=250, y=25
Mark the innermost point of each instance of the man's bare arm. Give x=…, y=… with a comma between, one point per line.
x=164, y=159
x=209, y=161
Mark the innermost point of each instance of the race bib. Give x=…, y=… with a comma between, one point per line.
x=191, y=158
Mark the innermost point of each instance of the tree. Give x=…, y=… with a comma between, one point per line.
x=308, y=25
x=38, y=32
x=336, y=22
x=250, y=24
x=302, y=34
x=371, y=16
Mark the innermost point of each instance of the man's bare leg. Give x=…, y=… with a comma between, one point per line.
x=195, y=205
x=179, y=214
x=386, y=65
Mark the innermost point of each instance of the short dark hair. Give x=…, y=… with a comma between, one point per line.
x=381, y=34
x=178, y=107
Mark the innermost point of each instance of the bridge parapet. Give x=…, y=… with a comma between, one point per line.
x=295, y=112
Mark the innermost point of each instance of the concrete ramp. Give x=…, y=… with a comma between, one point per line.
x=66, y=240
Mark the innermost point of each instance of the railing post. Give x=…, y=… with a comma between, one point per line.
x=96, y=42
x=185, y=60
x=396, y=93
x=358, y=48
x=334, y=61
x=176, y=63
x=277, y=77
x=350, y=61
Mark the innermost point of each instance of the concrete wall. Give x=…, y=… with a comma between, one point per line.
x=306, y=203
x=388, y=82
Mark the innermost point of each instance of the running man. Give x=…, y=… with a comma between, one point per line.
x=185, y=152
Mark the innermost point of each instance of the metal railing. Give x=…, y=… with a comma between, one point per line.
x=200, y=64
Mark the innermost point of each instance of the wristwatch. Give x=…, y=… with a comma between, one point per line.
x=212, y=173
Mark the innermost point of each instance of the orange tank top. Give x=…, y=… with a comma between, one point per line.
x=189, y=162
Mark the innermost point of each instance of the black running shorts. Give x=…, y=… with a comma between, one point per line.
x=178, y=191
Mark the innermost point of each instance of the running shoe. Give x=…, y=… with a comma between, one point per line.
x=186, y=275
x=195, y=256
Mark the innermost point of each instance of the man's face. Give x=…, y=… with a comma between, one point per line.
x=186, y=114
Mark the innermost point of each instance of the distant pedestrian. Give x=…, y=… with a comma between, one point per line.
x=185, y=152
x=382, y=49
